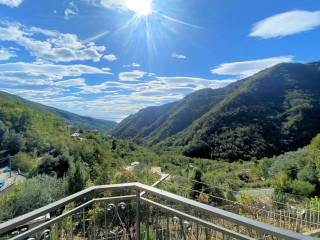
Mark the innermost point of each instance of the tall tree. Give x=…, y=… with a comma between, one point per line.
x=197, y=184
x=77, y=178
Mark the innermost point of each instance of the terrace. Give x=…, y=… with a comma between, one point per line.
x=136, y=211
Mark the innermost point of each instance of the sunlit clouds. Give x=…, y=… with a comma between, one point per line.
x=287, y=23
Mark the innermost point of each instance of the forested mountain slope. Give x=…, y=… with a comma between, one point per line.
x=271, y=112
x=70, y=118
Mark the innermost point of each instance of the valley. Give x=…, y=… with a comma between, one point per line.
x=216, y=145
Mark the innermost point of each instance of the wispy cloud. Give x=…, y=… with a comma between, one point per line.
x=127, y=98
x=71, y=11
x=76, y=82
x=110, y=57
x=178, y=56
x=6, y=54
x=287, y=23
x=110, y=4
x=247, y=68
x=131, y=76
x=11, y=3
x=135, y=65
x=54, y=46
x=21, y=74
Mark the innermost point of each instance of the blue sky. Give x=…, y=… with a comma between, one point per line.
x=110, y=58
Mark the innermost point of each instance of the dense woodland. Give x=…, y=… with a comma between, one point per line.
x=269, y=113
x=277, y=133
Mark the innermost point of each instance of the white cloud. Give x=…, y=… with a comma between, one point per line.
x=76, y=82
x=135, y=65
x=6, y=54
x=110, y=57
x=43, y=93
x=53, y=46
x=111, y=4
x=178, y=56
x=71, y=11
x=43, y=74
x=131, y=76
x=123, y=98
x=127, y=98
x=247, y=68
x=287, y=23
x=11, y=3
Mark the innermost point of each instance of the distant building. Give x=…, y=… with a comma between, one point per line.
x=75, y=135
x=134, y=164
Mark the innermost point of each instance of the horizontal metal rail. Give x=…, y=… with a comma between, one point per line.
x=198, y=220
x=16, y=222
x=75, y=210
x=231, y=217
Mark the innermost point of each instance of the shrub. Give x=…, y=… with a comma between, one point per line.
x=300, y=187
x=24, y=162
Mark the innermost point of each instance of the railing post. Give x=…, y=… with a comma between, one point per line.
x=138, y=215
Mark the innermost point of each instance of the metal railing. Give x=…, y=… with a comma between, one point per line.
x=137, y=211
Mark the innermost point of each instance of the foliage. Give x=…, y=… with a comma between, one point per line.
x=32, y=194
x=272, y=112
x=15, y=143
x=197, y=184
x=77, y=177
x=24, y=162
x=58, y=166
x=279, y=198
x=303, y=188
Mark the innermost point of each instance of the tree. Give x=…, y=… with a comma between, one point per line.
x=302, y=188
x=4, y=132
x=24, y=162
x=58, y=166
x=15, y=143
x=32, y=194
x=197, y=184
x=281, y=182
x=77, y=177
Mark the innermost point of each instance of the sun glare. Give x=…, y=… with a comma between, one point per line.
x=140, y=7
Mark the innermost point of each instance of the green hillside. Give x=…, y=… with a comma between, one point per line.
x=39, y=145
x=70, y=118
x=274, y=111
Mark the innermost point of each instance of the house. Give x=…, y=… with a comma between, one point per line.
x=75, y=135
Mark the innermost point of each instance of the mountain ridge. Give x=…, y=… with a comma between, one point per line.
x=261, y=115
x=82, y=122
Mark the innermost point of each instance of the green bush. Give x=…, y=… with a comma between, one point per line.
x=300, y=187
x=23, y=162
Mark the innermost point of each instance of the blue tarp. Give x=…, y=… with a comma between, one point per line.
x=1, y=183
x=6, y=169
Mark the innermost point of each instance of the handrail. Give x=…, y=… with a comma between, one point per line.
x=121, y=198
x=234, y=218
x=199, y=221
x=13, y=223
x=74, y=210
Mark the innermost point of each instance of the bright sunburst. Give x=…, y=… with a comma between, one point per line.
x=140, y=7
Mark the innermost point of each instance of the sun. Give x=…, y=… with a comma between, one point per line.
x=140, y=7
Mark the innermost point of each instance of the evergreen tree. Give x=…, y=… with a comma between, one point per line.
x=77, y=178
x=197, y=184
